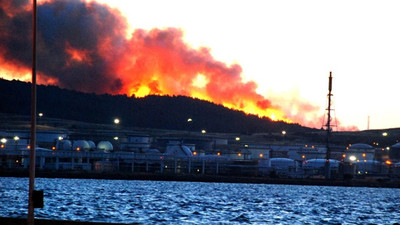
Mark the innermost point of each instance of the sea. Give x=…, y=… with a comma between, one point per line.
x=166, y=202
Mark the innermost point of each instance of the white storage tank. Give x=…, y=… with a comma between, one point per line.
x=178, y=150
x=80, y=145
x=369, y=166
x=64, y=145
x=282, y=163
x=92, y=145
x=105, y=146
x=320, y=163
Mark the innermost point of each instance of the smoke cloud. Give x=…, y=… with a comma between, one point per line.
x=84, y=46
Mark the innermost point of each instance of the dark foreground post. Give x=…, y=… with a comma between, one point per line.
x=32, y=163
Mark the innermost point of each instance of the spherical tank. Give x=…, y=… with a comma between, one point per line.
x=81, y=145
x=105, y=146
x=64, y=145
x=92, y=145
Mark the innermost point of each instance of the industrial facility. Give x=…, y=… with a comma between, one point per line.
x=192, y=153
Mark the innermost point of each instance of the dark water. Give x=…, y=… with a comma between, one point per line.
x=153, y=202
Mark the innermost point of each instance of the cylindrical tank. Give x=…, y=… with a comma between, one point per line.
x=394, y=153
x=282, y=163
x=320, y=163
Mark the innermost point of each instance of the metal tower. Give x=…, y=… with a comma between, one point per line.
x=328, y=126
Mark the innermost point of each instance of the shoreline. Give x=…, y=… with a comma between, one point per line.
x=355, y=182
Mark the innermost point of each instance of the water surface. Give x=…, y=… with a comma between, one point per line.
x=160, y=202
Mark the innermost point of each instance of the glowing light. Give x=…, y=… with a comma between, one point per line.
x=200, y=81
x=388, y=162
x=78, y=149
x=16, y=138
x=283, y=132
x=116, y=138
x=189, y=120
x=194, y=153
x=53, y=148
x=237, y=138
x=239, y=154
x=116, y=121
x=384, y=134
x=344, y=155
x=40, y=114
x=218, y=153
x=303, y=156
x=141, y=92
x=2, y=146
x=261, y=155
x=363, y=154
x=353, y=158
x=3, y=140
x=203, y=131
x=60, y=138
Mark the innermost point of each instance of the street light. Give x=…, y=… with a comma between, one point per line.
x=284, y=135
x=203, y=131
x=189, y=124
x=116, y=121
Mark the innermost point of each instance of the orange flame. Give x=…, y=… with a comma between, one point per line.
x=158, y=62
x=154, y=62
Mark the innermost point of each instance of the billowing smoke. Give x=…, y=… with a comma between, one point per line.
x=71, y=35
x=159, y=62
x=84, y=46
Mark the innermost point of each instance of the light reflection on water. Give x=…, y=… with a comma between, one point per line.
x=159, y=202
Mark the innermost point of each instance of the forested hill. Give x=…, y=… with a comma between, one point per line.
x=164, y=112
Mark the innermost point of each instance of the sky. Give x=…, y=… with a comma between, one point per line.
x=289, y=47
x=258, y=56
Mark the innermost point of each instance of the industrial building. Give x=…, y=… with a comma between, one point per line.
x=186, y=154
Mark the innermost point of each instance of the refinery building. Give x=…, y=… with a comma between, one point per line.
x=189, y=153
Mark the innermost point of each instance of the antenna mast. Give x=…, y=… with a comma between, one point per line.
x=328, y=129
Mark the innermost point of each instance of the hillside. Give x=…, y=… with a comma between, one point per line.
x=161, y=112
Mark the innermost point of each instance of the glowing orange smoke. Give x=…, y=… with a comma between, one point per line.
x=77, y=55
x=83, y=46
x=158, y=62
